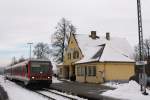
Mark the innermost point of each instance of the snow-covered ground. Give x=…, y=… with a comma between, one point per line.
x=55, y=80
x=129, y=91
x=16, y=92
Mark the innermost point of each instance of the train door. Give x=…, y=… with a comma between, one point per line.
x=26, y=70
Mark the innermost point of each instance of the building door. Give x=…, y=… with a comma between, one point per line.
x=66, y=72
x=73, y=69
x=72, y=76
x=85, y=74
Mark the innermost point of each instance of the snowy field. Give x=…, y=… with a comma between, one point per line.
x=16, y=92
x=128, y=91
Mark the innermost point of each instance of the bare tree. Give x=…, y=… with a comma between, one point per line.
x=21, y=59
x=41, y=51
x=146, y=54
x=146, y=50
x=60, y=39
x=136, y=53
x=14, y=61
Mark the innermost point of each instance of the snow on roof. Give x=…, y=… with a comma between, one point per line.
x=60, y=64
x=115, y=49
x=89, y=52
x=112, y=54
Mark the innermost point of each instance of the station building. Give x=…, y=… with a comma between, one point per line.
x=97, y=59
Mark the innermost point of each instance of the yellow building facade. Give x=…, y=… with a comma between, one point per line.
x=67, y=68
x=106, y=72
x=95, y=59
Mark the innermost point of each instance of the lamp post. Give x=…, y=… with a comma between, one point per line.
x=30, y=44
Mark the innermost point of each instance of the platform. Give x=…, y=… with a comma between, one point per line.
x=85, y=90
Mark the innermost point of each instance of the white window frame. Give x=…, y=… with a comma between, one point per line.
x=91, y=71
x=80, y=71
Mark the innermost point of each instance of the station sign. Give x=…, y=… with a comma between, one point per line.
x=141, y=62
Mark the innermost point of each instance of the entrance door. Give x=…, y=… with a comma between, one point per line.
x=73, y=76
x=85, y=74
x=66, y=72
x=73, y=69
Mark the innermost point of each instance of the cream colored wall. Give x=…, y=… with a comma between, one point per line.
x=65, y=72
x=111, y=71
x=61, y=75
x=72, y=46
x=80, y=78
x=91, y=79
x=118, y=71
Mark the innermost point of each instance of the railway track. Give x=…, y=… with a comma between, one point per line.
x=60, y=94
x=49, y=98
x=51, y=95
x=47, y=93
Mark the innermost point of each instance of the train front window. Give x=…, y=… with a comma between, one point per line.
x=38, y=67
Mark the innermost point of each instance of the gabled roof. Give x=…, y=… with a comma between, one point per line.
x=114, y=50
x=112, y=54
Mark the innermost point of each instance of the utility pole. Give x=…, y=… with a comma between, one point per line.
x=140, y=30
x=30, y=43
x=141, y=63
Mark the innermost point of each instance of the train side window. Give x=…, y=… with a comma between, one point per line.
x=26, y=68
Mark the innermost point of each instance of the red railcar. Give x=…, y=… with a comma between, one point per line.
x=31, y=71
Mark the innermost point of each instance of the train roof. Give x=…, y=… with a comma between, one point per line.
x=26, y=61
x=39, y=60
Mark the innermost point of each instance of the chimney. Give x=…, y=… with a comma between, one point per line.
x=108, y=36
x=93, y=35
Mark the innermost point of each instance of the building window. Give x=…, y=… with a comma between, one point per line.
x=75, y=54
x=60, y=71
x=91, y=71
x=69, y=55
x=80, y=71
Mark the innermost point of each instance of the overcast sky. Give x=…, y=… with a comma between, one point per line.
x=23, y=21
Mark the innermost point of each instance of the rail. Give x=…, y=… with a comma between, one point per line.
x=68, y=97
x=50, y=98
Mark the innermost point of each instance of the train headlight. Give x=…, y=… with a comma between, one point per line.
x=33, y=77
x=48, y=77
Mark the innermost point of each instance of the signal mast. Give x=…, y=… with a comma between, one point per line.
x=141, y=62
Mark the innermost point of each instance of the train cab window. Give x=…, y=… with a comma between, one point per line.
x=37, y=67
